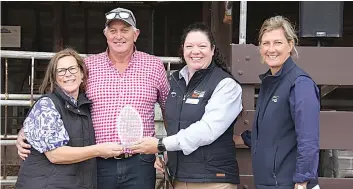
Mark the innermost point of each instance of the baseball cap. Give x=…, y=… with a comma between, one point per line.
x=125, y=15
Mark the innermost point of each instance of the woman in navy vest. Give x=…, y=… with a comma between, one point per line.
x=59, y=130
x=284, y=139
x=203, y=104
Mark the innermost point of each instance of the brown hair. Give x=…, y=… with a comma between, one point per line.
x=49, y=80
x=278, y=22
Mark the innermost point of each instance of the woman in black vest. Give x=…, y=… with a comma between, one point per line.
x=285, y=136
x=202, y=106
x=59, y=129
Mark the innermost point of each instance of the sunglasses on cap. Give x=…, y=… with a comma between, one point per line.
x=121, y=14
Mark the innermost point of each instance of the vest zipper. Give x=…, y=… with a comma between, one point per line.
x=181, y=89
x=274, y=176
x=185, y=94
x=255, y=146
x=274, y=167
x=181, y=108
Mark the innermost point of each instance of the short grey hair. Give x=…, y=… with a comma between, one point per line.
x=106, y=27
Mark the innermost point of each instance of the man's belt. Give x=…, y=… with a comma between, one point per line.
x=124, y=156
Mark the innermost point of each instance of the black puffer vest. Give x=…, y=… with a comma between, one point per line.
x=211, y=163
x=38, y=172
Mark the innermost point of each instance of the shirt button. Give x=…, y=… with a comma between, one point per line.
x=67, y=106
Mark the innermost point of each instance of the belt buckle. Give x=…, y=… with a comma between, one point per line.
x=125, y=155
x=118, y=157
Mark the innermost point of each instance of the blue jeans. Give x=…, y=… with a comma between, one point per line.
x=135, y=172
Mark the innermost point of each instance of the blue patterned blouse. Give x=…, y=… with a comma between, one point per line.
x=44, y=128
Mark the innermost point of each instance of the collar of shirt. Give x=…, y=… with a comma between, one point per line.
x=285, y=68
x=184, y=73
x=73, y=100
x=58, y=90
x=131, y=61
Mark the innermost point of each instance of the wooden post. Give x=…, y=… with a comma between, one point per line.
x=222, y=32
x=85, y=18
x=38, y=38
x=206, y=12
x=166, y=34
x=58, y=26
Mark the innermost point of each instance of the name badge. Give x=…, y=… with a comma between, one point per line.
x=192, y=101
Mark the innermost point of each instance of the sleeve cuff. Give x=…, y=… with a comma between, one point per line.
x=246, y=136
x=171, y=143
x=300, y=178
x=52, y=146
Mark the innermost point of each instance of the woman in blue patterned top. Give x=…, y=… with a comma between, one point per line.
x=59, y=129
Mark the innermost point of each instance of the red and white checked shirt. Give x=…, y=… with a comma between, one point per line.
x=142, y=84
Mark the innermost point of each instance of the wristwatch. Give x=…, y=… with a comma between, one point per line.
x=161, y=147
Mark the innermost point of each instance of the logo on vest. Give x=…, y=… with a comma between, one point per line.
x=275, y=98
x=198, y=94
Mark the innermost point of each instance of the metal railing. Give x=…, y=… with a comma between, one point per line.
x=20, y=99
x=28, y=99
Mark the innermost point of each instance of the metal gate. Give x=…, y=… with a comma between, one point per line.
x=16, y=100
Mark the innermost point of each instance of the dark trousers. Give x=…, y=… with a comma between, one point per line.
x=136, y=172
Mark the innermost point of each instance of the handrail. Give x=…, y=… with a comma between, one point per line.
x=9, y=181
x=16, y=103
x=19, y=96
x=7, y=142
x=49, y=55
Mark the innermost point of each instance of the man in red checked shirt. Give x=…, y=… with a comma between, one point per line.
x=119, y=76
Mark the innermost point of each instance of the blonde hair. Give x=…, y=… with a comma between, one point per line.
x=49, y=80
x=278, y=22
